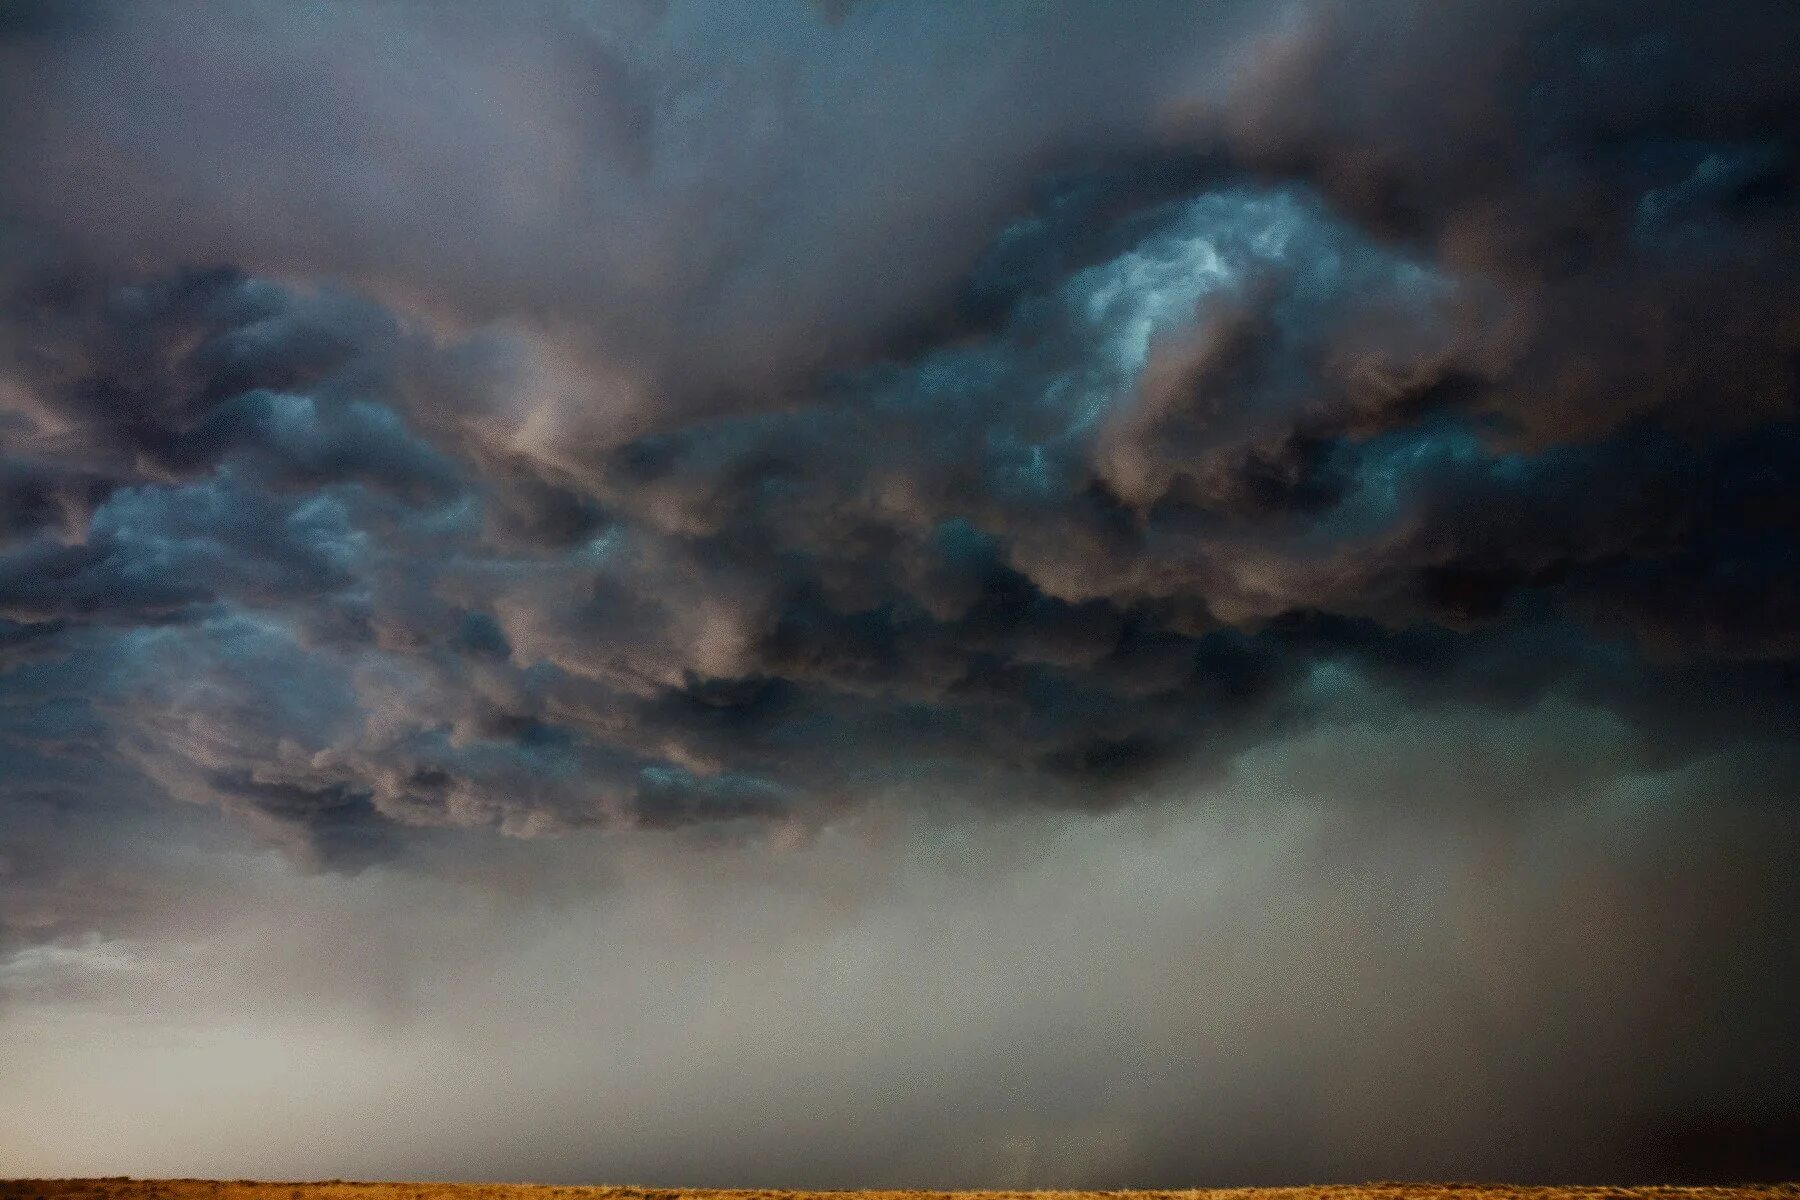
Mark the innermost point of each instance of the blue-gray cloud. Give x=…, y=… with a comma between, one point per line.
x=416, y=420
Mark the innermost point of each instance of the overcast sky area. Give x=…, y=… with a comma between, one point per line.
x=883, y=593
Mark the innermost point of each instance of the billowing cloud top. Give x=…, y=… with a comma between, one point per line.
x=697, y=431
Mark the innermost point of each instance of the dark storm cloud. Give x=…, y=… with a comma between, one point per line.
x=417, y=420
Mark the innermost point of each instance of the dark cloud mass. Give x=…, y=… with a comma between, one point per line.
x=1128, y=593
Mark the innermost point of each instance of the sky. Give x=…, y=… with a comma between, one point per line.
x=890, y=593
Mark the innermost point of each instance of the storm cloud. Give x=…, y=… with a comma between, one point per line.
x=1253, y=544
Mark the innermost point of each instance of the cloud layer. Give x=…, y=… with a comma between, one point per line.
x=433, y=436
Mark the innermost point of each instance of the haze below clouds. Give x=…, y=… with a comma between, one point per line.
x=897, y=594
x=1236, y=982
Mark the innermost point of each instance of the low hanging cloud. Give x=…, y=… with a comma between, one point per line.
x=1307, y=968
x=685, y=432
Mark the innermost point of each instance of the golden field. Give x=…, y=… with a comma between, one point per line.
x=244, y=1189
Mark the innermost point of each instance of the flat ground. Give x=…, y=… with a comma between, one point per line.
x=245, y=1189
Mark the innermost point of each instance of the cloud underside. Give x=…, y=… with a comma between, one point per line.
x=427, y=431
